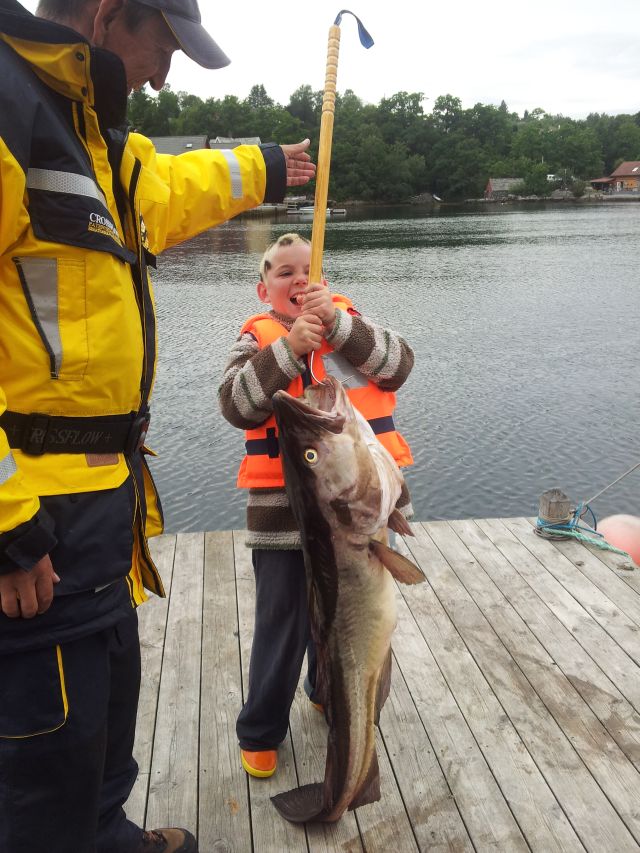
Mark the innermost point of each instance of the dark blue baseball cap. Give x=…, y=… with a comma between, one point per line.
x=183, y=17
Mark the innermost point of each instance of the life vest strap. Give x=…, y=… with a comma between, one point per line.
x=264, y=446
x=269, y=446
x=380, y=425
x=38, y=433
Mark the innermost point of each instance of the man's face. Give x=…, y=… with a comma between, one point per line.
x=146, y=51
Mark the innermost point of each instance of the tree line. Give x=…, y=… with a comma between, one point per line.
x=394, y=150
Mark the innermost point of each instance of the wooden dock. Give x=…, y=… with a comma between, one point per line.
x=513, y=722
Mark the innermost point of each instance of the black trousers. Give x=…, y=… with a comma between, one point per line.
x=67, y=725
x=280, y=638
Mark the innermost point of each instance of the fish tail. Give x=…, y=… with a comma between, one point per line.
x=369, y=790
x=302, y=804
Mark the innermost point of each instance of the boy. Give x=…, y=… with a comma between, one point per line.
x=307, y=333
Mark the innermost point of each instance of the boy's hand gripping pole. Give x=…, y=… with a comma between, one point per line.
x=326, y=138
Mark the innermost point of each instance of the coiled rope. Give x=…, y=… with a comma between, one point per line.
x=572, y=527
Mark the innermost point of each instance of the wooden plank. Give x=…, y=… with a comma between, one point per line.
x=152, y=622
x=616, y=714
x=173, y=791
x=429, y=802
x=494, y=710
x=608, y=572
x=422, y=645
x=616, y=623
x=270, y=832
x=592, y=637
x=615, y=774
x=627, y=571
x=224, y=820
x=385, y=825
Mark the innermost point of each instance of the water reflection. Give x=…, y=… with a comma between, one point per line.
x=525, y=327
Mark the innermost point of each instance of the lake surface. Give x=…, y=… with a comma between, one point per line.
x=525, y=322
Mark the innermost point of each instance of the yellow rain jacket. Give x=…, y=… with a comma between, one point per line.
x=84, y=208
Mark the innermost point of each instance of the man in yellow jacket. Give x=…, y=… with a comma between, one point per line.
x=85, y=206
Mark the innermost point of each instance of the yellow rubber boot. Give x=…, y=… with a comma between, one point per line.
x=260, y=764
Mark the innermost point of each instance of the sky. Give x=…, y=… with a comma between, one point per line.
x=571, y=57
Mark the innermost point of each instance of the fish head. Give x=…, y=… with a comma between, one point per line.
x=328, y=464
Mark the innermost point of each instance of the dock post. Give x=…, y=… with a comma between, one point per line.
x=554, y=507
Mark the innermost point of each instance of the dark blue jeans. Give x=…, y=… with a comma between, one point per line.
x=63, y=782
x=280, y=638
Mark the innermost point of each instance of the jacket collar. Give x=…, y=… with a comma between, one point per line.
x=66, y=62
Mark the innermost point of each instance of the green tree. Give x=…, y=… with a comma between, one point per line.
x=258, y=98
x=306, y=105
x=141, y=109
x=390, y=151
x=446, y=113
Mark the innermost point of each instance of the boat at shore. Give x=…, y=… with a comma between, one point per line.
x=309, y=210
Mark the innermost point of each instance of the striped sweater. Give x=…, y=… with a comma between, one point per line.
x=251, y=378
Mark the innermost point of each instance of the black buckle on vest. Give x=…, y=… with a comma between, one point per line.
x=273, y=447
x=137, y=434
x=268, y=446
x=35, y=434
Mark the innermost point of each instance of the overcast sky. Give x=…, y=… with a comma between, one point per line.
x=565, y=56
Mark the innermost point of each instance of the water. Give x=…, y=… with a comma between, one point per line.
x=525, y=324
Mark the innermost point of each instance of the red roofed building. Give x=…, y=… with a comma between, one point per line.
x=626, y=178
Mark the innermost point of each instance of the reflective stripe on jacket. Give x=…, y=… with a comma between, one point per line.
x=262, y=466
x=83, y=211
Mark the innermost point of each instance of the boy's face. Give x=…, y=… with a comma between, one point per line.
x=286, y=279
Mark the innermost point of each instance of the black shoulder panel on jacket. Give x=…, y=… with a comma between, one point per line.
x=110, y=88
x=16, y=124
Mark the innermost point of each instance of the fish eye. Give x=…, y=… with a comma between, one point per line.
x=310, y=456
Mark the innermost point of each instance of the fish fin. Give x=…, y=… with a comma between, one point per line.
x=399, y=524
x=300, y=805
x=403, y=570
x=369, y=791
x=384, y=686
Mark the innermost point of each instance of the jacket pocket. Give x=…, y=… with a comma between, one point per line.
x=95, y=537
x=33, y=699
x=56, y=292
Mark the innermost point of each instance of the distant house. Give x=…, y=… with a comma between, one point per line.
x=626, y=178
x=179, y=144
x=233, y=142
x=601, y=184
x=499, y=188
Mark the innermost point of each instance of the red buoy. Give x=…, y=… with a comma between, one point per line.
x=622, y=531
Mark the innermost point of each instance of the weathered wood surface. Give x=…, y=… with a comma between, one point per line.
x=513, y=721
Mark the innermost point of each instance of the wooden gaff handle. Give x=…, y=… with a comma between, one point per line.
x=324, y=157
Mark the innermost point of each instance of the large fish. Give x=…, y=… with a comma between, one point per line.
x=343, y=486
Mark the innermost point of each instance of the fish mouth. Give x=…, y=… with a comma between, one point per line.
x=319, y=407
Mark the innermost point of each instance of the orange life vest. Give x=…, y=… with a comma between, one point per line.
x=262, y=467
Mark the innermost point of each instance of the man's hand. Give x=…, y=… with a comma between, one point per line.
x=27, y=593
x=300, y=169
x=317, y=300
x=305, y=334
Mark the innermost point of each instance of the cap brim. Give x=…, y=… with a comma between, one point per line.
x=196, y=42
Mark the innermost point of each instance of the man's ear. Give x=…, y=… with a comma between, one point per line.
x=106, y=14
x=261, y=289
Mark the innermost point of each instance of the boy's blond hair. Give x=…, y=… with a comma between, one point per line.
x=284, y=240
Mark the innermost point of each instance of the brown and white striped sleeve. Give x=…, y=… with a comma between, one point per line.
x=379, y=353
x=251, y=378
